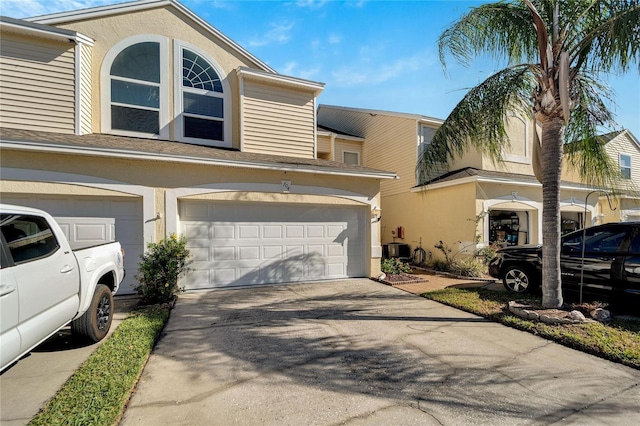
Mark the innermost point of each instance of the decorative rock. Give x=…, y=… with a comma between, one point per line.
x=601, y=314
x=532, y=315
x=577, y=316
x=382, y=276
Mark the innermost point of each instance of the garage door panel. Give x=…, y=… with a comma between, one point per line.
x=223, y=253
x=127, y=212
x=224, y=232
x=257, y=243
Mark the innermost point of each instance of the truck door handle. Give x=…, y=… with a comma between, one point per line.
x=6, y=289
x=66, y=268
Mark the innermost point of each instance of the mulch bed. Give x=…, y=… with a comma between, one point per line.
x=397, y=279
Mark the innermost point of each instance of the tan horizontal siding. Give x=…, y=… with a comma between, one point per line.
x=390, y=143
x=37, y=84
x=622, y=145
x=324, y=144
x=348, y=146
x=278, y=121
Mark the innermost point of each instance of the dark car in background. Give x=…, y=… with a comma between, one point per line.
x=610, y=270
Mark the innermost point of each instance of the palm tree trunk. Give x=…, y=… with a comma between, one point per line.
x=551, y=157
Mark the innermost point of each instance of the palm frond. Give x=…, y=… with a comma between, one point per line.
x=479, y=119
x=585, y=151
x=608, y=38
x=501, y=30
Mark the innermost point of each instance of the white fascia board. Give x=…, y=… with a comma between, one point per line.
x=298, y=83
x=479, y=179
x=129, y=7
x=139, y=155
x=418, y=117
x=340, y=136
x=51, y=34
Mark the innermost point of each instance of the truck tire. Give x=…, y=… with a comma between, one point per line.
x=95, y=323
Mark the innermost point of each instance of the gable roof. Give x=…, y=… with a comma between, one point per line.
x=158, y=150
x=471, y=173
x=20, y=26
x=133, y=6
x=418, y=117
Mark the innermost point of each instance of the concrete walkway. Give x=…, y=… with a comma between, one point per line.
x=31, y=382
x=357, y=352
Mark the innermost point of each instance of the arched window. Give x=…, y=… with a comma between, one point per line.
x=202, y=101
x=135, y=88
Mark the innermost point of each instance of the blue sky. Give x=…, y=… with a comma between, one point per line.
x=370, y=54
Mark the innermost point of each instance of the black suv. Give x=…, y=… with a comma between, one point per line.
x=611, y=262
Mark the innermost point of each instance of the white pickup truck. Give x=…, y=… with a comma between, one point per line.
x=44, y=284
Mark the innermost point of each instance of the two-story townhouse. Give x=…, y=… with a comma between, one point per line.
x=470, y=200
x=145, y=114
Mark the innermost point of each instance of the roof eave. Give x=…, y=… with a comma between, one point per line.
x=118, y=8
x=141, y=155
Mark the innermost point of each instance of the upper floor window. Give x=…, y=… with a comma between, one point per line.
x=202, y=99
x=625, y=166
x=135, y=89
x=351, y=158
x=136, y=79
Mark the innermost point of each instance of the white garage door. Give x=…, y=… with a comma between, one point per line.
x=240, y=244
x=127, y=213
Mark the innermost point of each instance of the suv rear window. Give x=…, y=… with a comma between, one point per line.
x=597, y=240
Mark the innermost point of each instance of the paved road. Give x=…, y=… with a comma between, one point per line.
x=29, y=384
x=356, y=352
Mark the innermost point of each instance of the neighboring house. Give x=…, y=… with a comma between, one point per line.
x=145, y=114
x=472, y=199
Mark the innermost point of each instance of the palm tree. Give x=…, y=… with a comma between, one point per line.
x=556, y=51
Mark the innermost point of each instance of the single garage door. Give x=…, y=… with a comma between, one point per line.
x=242, y=244
x=127, y=212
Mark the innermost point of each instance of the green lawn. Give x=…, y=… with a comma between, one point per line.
x=97, y=393
x=618, y=340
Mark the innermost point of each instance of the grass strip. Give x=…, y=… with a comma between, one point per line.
x=96, y=394
x=618, y=340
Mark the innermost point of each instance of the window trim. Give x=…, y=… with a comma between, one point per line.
x=178, y=47
x=620, y=155
x=351, y=152
x=105, y=87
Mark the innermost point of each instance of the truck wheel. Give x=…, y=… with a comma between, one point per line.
x=518, y=279
x=95, y=323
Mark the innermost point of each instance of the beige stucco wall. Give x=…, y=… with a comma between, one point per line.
x=170, y=23
x=37, y=84
x=165, y=176
x=442, y=214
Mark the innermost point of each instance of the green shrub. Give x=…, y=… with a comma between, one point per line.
x=395, y=266
x=468, y=268
x=160, y=267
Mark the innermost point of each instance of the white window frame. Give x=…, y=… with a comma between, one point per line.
x=105, y=86
x=620, y=155
x=178, y=47
x=351, y=152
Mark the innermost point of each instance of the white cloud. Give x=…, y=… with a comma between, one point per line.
x=27, y=8
x=373, y=72
x=291, y=68
x=279, y=33
x=334, y=39
x=311, y=4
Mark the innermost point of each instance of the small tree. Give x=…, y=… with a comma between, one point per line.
x=160, y=267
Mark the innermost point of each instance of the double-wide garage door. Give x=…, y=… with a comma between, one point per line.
x=241, y=244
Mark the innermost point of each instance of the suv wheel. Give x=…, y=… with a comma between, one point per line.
x=518, y=279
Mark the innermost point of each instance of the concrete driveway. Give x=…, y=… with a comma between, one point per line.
x=357, y=352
